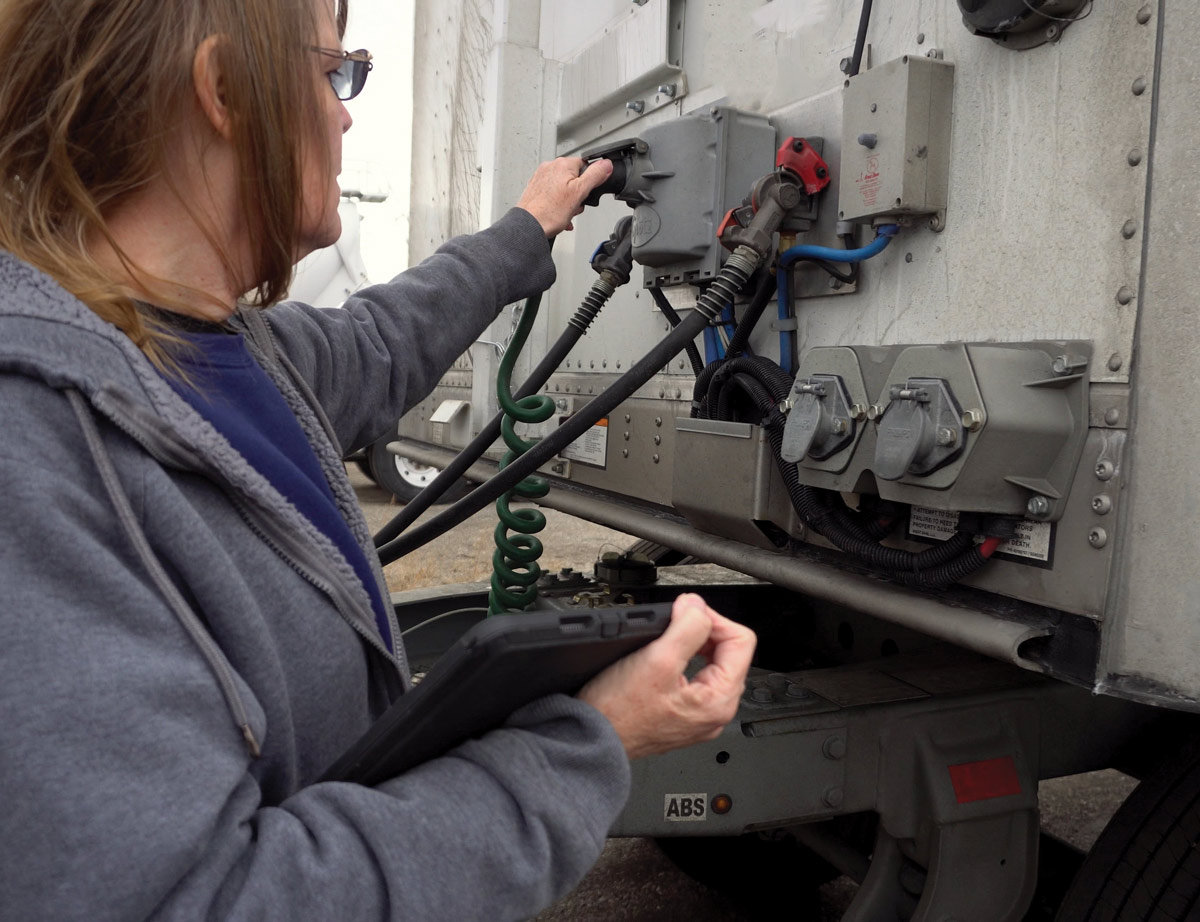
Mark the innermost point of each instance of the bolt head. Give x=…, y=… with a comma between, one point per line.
x=839, y=426
x=1038, y=507
x=1105, y=470
x=834, y=748
x=1101, y=504
x=1112, y=416
x=946, y=436
x=858, y=412
x=874, y=411
x=973, y=420
x=834, y=797
x=1097, y=537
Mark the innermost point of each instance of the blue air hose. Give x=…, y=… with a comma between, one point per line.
x=784, y=303
x=883, y=236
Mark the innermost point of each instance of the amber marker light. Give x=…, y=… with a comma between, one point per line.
x=722, y=804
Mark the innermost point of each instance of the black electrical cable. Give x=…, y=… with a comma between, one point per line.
x=860, y=40
x=774, y=379
x=614, y=261
x=673, y=318
x=730, y=280
x=825, y=522
x=931, y=567
x=947, y=574
x=450, y=474
x=849, y=276
x=754, y=311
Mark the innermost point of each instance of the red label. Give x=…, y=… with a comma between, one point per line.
x=983, y=780
x=869, y=181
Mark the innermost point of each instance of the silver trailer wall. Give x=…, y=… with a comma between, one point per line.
x=1072, y=204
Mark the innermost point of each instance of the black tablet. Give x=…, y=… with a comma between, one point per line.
x=500, y=664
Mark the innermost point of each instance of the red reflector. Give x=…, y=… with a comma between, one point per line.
x=982, y=780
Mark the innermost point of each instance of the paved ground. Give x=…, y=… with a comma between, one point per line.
x=634, y=881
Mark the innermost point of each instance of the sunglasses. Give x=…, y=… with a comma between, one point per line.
x=348, y=80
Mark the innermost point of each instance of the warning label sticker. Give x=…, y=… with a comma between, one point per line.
x=1033, y=543
x=590, y=448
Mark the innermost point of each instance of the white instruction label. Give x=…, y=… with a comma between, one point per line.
x=685, y=808
x=591, y=447
x=1033, y=540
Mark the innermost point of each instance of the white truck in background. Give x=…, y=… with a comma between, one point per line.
x=937, y=259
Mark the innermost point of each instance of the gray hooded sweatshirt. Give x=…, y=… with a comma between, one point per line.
x=182, y=653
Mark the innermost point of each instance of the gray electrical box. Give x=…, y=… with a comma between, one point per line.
x=896, y=140
x=675, y=230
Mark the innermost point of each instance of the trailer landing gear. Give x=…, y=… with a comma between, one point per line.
x=946, y=747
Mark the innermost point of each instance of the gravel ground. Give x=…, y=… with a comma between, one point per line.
x=634, y=881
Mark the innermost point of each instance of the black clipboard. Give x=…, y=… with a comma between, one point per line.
x=499, y=665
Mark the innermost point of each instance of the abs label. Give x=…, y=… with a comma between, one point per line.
x=682, y=808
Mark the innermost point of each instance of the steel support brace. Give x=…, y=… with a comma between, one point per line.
x=984, y=633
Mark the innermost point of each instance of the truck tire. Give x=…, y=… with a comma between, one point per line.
x=1146, y=863
x=405, y=478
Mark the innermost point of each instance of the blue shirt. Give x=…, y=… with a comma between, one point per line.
x=233, y=393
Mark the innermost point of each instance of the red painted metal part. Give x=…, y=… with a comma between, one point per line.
x=984, y=780
x=799, y=157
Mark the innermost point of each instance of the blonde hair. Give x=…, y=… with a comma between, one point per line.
x=92, y=93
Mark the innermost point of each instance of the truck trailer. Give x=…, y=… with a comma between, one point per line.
x=878, y=337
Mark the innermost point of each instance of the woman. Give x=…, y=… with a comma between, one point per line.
x=193, y=622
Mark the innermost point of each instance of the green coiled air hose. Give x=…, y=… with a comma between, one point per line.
x=515, y=569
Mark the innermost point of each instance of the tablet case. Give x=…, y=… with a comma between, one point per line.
x=500, y=664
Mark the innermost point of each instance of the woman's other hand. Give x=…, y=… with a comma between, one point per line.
x=646, y=696
x=558, y=189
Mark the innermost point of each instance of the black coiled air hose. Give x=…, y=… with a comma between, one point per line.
x=732, y=277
